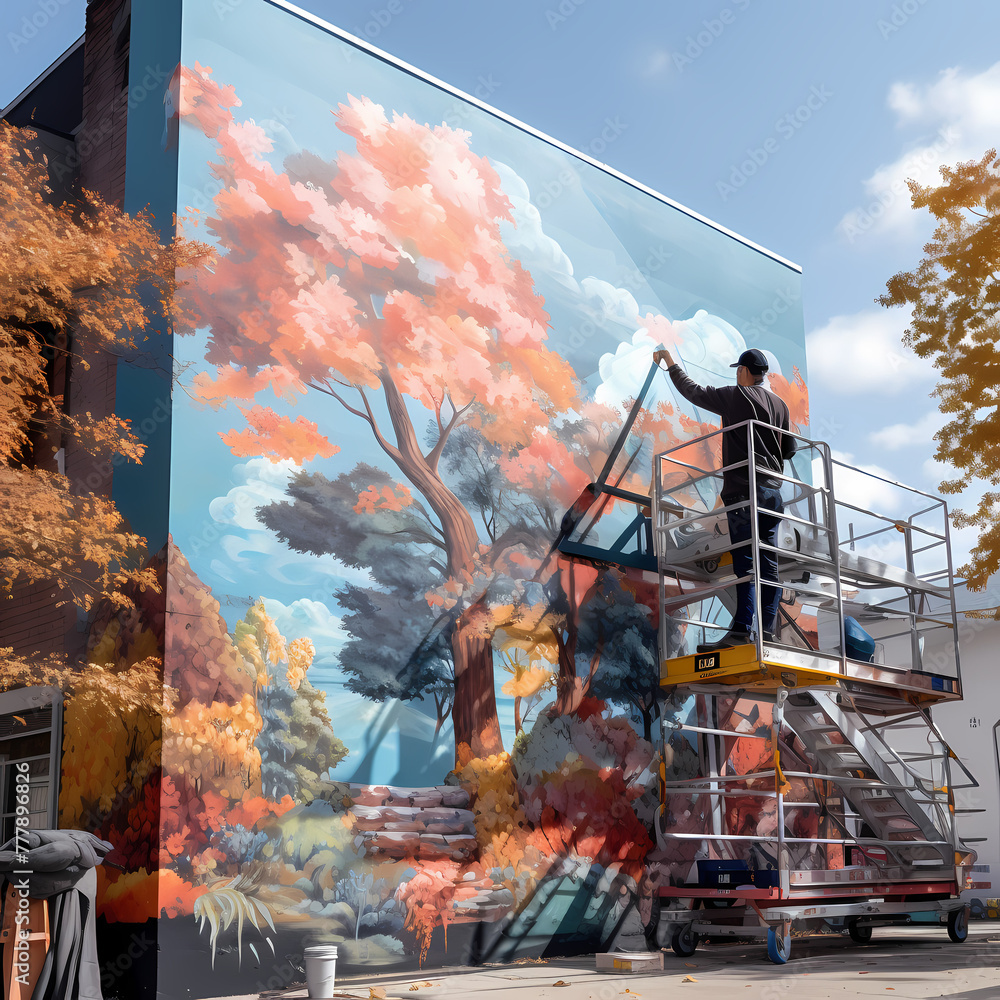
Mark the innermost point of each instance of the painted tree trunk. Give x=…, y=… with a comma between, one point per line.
x=474, y=713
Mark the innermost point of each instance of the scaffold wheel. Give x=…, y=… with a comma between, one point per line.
x=779, y=946
x=958, y=924
x=860, y=933
x=684, y=941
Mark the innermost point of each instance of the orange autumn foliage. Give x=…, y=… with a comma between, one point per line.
x=175, y=895
x=74, y=280
x=128, y=897
x=796, y=397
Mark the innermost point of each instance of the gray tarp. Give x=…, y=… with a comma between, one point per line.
x=61, y=868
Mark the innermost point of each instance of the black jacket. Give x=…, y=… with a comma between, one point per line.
x=736, y=403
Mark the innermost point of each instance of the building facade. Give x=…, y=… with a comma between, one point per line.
x=395, y=715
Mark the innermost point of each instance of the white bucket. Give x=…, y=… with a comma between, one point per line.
x=321, y=968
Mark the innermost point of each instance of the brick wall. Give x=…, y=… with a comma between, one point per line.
x=105, y=94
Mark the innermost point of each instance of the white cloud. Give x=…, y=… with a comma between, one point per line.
x=610, y=302
x=657, y=63
x=897, y=436
x=712, y=344
x=958, y=118
x=312, y=620
x=258, y=482
x=862, y=485
x=937, y=471
x=623, y=372
x=706, y=343
x=526, y=239
x=863, y=353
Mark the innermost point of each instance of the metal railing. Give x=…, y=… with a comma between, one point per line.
x=830, y=549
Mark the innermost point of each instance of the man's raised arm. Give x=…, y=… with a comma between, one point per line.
x=707, y=397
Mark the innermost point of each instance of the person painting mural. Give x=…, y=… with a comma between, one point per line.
x=747, y=400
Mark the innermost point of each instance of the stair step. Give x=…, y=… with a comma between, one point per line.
x=839, y=750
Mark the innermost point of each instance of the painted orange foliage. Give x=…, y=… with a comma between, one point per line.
x=796, y=397
x=89, y=267
x=277, y=437
x=430, y=894
x=387, y=499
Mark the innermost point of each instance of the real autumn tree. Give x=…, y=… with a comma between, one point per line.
x=954, y=293
x=75, y=278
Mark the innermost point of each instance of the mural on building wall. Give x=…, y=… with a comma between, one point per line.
x=391, y=703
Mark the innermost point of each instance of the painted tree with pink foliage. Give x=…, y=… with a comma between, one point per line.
x=380, y=279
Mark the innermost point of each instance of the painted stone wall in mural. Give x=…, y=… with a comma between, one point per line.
x=393, y=704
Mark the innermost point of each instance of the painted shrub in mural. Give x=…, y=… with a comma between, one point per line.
x=394, y=389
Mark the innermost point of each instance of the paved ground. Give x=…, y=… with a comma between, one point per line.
x=911, y=962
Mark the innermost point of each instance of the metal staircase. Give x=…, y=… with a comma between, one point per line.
x=847, y=809
x=904, y=800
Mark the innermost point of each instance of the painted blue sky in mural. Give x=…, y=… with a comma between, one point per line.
x=601, y=252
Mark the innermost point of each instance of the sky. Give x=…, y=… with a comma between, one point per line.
x=791, y=123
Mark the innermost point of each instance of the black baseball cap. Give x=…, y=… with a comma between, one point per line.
x=754, y=360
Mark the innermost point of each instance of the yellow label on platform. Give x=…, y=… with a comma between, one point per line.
x=625, y=966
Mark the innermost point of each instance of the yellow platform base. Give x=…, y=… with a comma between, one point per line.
x=777, y=666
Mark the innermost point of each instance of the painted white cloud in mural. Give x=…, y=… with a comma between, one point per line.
x=526, y=240
x=707, y=346
x=258, y=482
x=311, y=620
x=255, y=558
x=608, y=302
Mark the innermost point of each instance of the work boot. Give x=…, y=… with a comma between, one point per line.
x=729, y=640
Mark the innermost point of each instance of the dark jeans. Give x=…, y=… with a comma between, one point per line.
x=739, y=531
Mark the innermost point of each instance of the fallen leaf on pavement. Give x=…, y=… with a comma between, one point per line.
x=418, y=986
x=689, y=979
x=376, y=993
x=691, y=965
x=561, y=982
